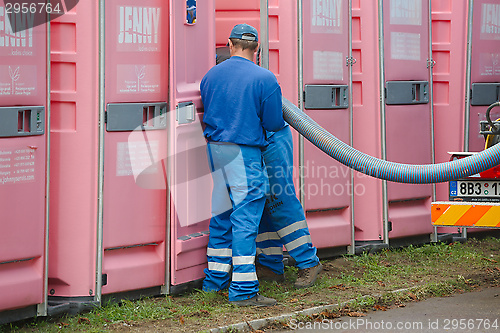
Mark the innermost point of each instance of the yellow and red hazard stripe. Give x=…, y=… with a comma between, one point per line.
x=466, y=214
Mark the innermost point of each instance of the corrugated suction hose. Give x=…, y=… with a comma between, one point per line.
x=372, y=166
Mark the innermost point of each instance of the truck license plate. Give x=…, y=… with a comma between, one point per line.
x=475, y=190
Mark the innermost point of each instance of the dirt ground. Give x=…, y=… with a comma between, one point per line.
x=475, y=277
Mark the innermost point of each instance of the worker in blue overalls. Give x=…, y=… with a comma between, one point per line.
x=241, y=101
x=283, y=222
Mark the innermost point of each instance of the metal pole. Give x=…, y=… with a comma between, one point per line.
x=385, y=208
x=431, y=94
x=468, y=78
x=264, y=33
x=352, y=249
x=468, y=86
x=102, y=107
x=166, y=288
x=431, y=101
x=300, y=57
x=42, y=308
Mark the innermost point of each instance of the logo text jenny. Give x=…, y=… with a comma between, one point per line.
x=139, y=25
x=21, y=38
x=490, y=23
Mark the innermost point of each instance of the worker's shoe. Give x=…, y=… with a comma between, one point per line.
x=307, y=276
x=266, y=274
x=257, y=300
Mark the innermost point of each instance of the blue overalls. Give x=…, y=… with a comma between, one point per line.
x=240, y=100
x=238, y=199
x=283, y=222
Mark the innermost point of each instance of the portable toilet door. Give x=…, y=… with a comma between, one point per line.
x=135, y=135
x=74, y=157
x=368, y=215
x=483, y=73
x=23, y=164
x=192, y=47
x=326, y=185
x=404, y=73
x=108, y=203
x=407, y=111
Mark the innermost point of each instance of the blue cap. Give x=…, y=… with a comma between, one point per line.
x=240, y=29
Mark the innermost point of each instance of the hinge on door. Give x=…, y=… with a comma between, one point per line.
x=105, y=117
x=389, y=226
x=431, y=63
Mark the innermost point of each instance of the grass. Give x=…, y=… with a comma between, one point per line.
x=366, y=281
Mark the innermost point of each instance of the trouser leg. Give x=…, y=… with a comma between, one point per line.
x=219, y=250
x=248, y=198
x=246, y=184
x=219, y=254
x=284, y=212
x=269, y=246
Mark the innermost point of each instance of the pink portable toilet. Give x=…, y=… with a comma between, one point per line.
x=134, y=200
x=368, y=204
x=113, y=197
x=396, y=123
x=326, y=185
x=190, y=181
x=23, y=165
x=326, y=215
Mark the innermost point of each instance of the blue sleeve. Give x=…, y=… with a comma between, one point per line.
x=272, y=116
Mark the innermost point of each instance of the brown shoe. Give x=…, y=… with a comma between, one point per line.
x=307, y=276
x=266, y=274
x=257, y=300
